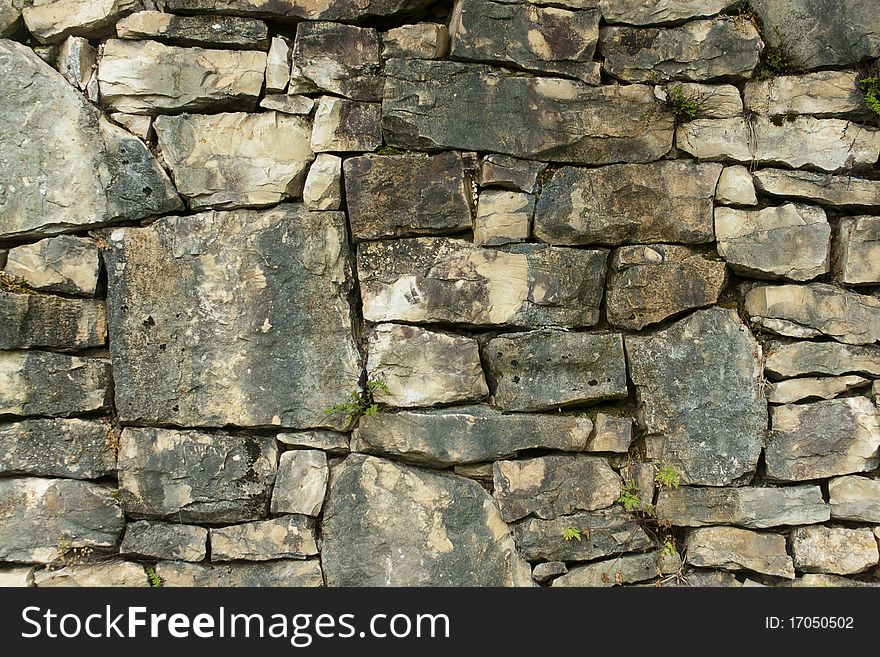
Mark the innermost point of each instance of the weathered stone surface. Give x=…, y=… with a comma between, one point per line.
x=387, y=524
x=828, y=581
x=826, y=93
x=551, y=486
x=698, y=50
x=418, y=41
x=345, y=125
x=804, y=358
x=410, y=194
x=16, y=576
x=835, y=191
x=855, y=498
x=659, y=202
x=287, y=537
x=236, y=159
x=270, y=361
x=471, y=434
x=700, y=403
x=75, y=169
x=647, y=284
x=807, y=311
x=147, y=77
x=194, y=476
x=790, y=241
x=163, y=540
x=338, y=59
x=611, y=434
x=549, y=369
x=292, y=573
x=427, y=280
x=230, y=31
x=823, y=439
x=548, y=570
x=730, y=548
x=511, y=173
x=61, y=264
x=43, y=383
x=113, y=574
x=603, y=533
x=736, y=187
x=323, y=186
x=10, y=15
x=289, y=104
x=627, y=569
x=834, y=550
x=301, y=482
x=808, y=36
x=544, y=39
x=77, y=62
x=43, y=518
x=713, y=101
x=329, y=441
x=78, y=449
x=531, y=117
x=858, y=258
x=136, y=124
x=278, y=65
x=341, y=10
x=50, y=21
x=827, y=144
x=424, y=368
x=756, y=508
x=503, y=217
x=657, y=12
x=37, y=320
x=793, y=390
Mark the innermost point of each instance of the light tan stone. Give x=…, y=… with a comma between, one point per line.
x=503, y=217
x=736, y=187
x=857, y=260
x=792, y=390
x=825, y=93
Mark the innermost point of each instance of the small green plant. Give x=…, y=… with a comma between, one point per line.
x=116, y=495
x=155, y=580
x=668, y=547
x=685, y=107
x=629, y=497
x=362, y=402
x=667, y=477
x=10, y=283
x=776, y=62
x=389, y=150
x=870, y=87
x=571, y=534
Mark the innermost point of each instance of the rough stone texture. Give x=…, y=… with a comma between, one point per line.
x=700, y=404
x=77, y=62
x=287, y=537
x=611, y=434
x=301, y=482
x=192, y=476
x=418, y=41
x=855, y=498
x=804, y=358
x=548, y=570
x=756, y=508
x=136, y=124
x=793, y=390
x=551, y=486
x=36, y=320
x=834, y=550
x=622, y=570
x=40, y=519
x=823, y=439
x=805, y=32
x=730, y=548
x=288, y=104
x=65, y=264
x=834, y=191
x=50, y=21
x=543, y=39
x=338, y=59
x=278, y=65
x=858, y=257
x=147, y=77
x=472, y=434
x=424, y=368
x=345, y=125
x=656, y=12
x=424, y=102
x=43, y=383
x=714, y=101
x=790, y=241
x=425, y=280
x=323, y=186
x=340, y=10
x=174, y=362
x=236, y=159
x=393, y=525
x=503, y=217
x=826, y=93
x=411, y=194
x=659, y=202
x=827, y=144
x=603, y=533
x=16, y=576
x=75, y=169
x=546, y=370
x=271, y=573
x=807, y=311
x=114, y=574
x=216, y=31
x=162, y=540
x=720, y=48
x=647, y=284
x=511, y=173
x=10, y=15
x=828, y=581
x=78, y=449
x=329, y=441
x=735, y=187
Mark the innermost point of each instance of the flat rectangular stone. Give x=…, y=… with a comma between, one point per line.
x=825, y=93
x=164, y=540
x=428, y=280
x=50, y=21
x=855, y=498
x=730, y=548
x=270, y=573
x=794, y=390
x=329, y=441
x=714, y=101
x=503, y=217
x=295, y=10
x=301, y=483
x=628, y=569
x=510, y=173
x=858, y=256
x=211, y=32
x=287, y=537
x=834, y=550
x=416, y=41
x=824, y=189
x=653, y=12
x=41, y=320
x=78, y=449
x=811, y=358
x=611, y=433
x=106, y=575
x=343, y=125
x=65, y=264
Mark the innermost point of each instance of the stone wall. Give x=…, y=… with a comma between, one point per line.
x=598, y=279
